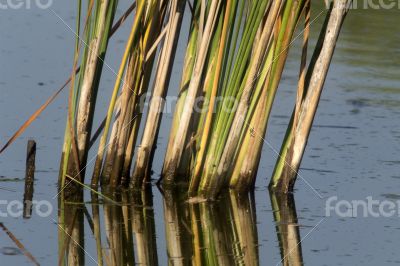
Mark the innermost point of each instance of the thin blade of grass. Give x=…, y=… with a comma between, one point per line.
x=91, y=189
x=19, y=244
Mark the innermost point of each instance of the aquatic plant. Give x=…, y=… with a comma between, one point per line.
x=310, y=86
x=235, y=56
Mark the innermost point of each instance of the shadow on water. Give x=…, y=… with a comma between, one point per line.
x=205, y=233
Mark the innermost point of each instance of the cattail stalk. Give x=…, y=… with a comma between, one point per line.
x=253, y=139
x=292, y=150
x=175, y=150
x=102, y=145
x=165, y=64
x=219, y=177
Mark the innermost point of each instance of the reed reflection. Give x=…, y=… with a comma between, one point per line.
x=144, y=228
x=211, y=233
x=124, y=233
x=223, y=232
x=287, y=228
x=71, y=232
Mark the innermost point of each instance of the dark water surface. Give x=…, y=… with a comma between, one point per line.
x=353, y=153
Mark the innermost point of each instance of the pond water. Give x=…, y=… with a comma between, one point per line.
x=353, y=153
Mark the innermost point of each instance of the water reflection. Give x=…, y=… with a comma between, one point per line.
x=144, y=227
x=287, y=228
x=117, y=230
x=210, y=233
x=71, y=233
x=204, y=233
x=177, y=228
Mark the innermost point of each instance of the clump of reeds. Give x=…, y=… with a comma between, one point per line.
x=135, y=72
x=241, y=55
x=235, y=56
x=132, y=80
x=84, y=87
